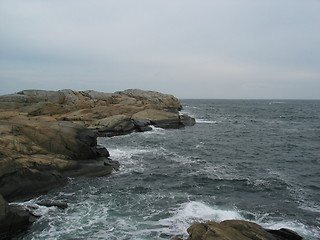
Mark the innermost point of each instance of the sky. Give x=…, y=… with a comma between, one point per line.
x=230, y=49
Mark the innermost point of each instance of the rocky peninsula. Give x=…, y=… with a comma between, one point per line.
x=48, y=136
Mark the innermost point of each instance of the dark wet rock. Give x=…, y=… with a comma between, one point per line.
x=102, y=152
x=13, y=219
x=26, y=183
x=285, y=234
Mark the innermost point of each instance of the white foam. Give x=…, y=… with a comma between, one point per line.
x=199, y=120
x=34, y=208
x=155, y=130
x=126, y=153
x=184, y=112
x=189, y=212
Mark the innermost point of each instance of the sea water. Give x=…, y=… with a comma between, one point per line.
x=256, y=160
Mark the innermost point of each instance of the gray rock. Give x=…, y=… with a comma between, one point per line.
x=95, y=95
x=16, y=98
x=43, y=96
x=69, y=95
x=27, y=183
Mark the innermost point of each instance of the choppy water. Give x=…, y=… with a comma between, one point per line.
x=253, y=160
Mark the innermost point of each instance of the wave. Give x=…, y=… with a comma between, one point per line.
x=199, y=120
x=155, y=130
x=127, y=153
x=190, y=212
x=277, y=102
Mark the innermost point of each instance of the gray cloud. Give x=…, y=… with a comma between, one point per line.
x=208, y=49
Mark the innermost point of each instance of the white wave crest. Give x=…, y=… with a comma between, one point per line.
x=199, y=120
x=190, y=212
x=126, y=153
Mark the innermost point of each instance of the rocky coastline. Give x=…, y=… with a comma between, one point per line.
x=48, y=136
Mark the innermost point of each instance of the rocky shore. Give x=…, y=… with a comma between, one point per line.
x=48, y=136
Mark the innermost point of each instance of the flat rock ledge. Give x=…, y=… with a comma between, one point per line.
x=48, y=136
x=237, y=230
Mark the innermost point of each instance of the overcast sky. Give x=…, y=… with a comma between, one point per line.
x=189, y=48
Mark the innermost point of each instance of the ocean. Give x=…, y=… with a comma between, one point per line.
x=256, y=160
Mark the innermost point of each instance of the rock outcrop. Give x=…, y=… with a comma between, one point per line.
x=46, y=136
x=237, y=230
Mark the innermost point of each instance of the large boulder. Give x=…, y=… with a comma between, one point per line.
x=237, y=230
